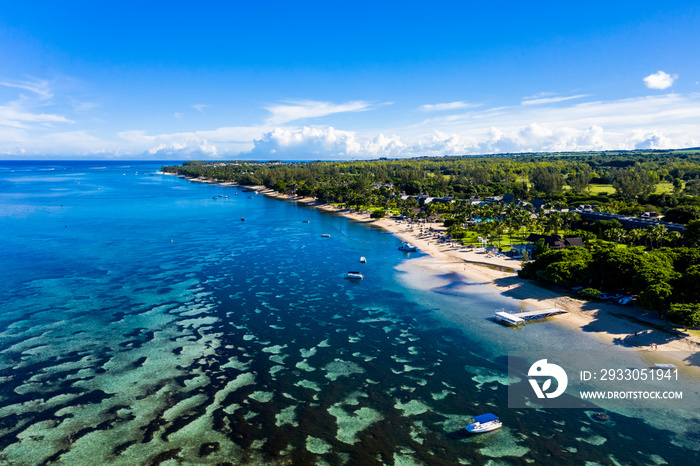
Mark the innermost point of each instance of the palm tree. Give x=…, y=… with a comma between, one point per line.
x=635, y=235
x=499, y=227
x=616, y=235
x=555, y=221
x=674, y=237
x=662, y=233
x=656, y=233
x=570, y=218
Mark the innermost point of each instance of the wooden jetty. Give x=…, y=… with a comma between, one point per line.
x=522, y=317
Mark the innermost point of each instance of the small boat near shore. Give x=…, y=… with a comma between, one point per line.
x=354, y=276
x=666, y=366
x=406, y=247
x=325, y=235
x=484, y=423
x=363, y=260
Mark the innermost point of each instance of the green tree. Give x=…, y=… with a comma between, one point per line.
x=615, y=267
x=688, y=285
x=579, y=181
x=691, y=234
x=687, y=315
x=616, y=235
x=656, y=297
x=682, y=214
x=692, y=187
x=634, y=183
x=547, y=180
x=656, y=234
x=567, y=272
x=635, y=236
x=677, y=186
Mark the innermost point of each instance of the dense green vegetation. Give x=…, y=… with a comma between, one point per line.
x=660, y=278
x=658, y=266
x=634, y=176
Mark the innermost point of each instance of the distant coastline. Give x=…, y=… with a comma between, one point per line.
x=626, y=327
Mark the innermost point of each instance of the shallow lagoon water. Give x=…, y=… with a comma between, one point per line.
x=144, y=323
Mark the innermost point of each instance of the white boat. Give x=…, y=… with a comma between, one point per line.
x=363, y=260
x=354, y=275
x=406, y=247
x=484, y=423
x=325, y=235
x=666, y=366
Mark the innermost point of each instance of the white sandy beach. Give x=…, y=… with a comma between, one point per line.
x=626, y=326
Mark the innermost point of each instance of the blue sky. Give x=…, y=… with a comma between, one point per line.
x=344, y=80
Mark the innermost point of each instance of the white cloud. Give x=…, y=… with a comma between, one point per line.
x=16, y=116
x=660, y=80
x=550, y=100
x=447, y=106
x=21, y=113
x=319, y=143
x=81, y=106
x=199, y=107
x=296, y=110
x=176, y=145
x=305, y=143
x=650, y=140
x=178, y=115
x=184, y=149
x=202, y=144
x=31, y=124
x=36, y=86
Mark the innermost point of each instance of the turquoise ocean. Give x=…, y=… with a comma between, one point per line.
x=142, y=321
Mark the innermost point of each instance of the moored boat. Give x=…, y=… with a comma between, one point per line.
x=406, y=247
x=484, y=423
x=354, y=275
x=325, y=235
x=666, y=366
x=363, y=260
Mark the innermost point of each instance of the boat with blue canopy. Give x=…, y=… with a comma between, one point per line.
x=484, y=423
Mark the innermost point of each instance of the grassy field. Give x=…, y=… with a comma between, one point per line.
x=608, y=189
x=664, y=188
x=601, y=189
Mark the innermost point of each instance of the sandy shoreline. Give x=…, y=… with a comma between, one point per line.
x=628, y=327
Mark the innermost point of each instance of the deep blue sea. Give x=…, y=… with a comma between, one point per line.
x=144, y=322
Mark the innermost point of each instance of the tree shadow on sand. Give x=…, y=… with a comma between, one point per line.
x=630, y=326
